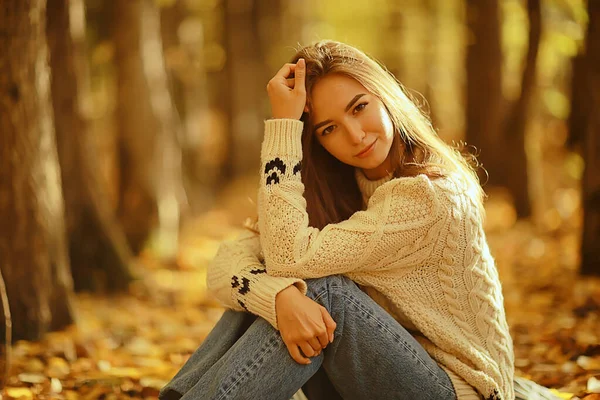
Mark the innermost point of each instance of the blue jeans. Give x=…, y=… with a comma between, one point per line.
x=372, y=356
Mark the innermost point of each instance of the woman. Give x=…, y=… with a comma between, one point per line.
x=371, y=272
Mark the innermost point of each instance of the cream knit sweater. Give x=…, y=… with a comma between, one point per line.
x=418, y=249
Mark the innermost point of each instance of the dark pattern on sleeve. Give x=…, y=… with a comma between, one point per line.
x=494, y=396
x=273, y=178
x=245, y=286
x=241, y=303
x=297, y=167
x=258, y=271
x=273, y=169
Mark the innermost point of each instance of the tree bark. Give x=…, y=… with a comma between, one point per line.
x=391, y=36
x=590, y=257
x=97, y=247
x=516, y=178
x=137, y=208
x=578, y=118
x=151, y=191
x=5, y=335
x=183, y=43
x=33, y=253
x=484, y=91
x=246, y=94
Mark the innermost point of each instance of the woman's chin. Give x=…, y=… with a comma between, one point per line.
x=371, y=163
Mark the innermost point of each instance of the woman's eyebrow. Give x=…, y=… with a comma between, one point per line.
x=350, y=104
x=354, y=100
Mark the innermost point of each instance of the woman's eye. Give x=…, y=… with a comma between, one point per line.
x=360, y=107
x=327, y=130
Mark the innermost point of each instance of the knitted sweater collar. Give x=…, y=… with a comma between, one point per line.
x=368, y=187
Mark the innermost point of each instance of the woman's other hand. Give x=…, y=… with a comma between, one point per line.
x=287, y=94
x=303, y=323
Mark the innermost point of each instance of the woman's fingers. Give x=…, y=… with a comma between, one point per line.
x=307, y=349
x=296, y=355
x=293, y=74
x=315, y=343
x=329, y=323
x=285, y=71
x=323, y=339
x=300, y=75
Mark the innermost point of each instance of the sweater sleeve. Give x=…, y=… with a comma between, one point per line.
x=238, y=279
x=397, y=229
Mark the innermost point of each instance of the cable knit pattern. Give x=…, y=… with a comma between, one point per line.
x=419, y=244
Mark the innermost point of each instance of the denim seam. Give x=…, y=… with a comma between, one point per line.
x=241, y=376
x=354, y=301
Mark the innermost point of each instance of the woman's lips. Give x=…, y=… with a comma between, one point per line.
x=366, y=151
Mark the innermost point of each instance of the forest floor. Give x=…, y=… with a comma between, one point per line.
x=129, y=346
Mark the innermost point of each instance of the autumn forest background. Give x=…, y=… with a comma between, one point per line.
x=130, y=134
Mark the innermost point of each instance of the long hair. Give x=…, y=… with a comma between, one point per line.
x=331, y=191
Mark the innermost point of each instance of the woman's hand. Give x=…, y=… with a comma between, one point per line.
x=287, y=94
x=303, y=324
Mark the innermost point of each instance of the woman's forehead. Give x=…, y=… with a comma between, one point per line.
x=334, y=91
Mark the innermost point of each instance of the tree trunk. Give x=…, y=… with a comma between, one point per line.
x=578, y=118
x=391, y=36
x=5, y=335
x=183, y=43
x=246, y=92
x=151, y=191
x=33, y=253
x=97, y=247
x=516, y=178
x=484, y=91
x=590, y=257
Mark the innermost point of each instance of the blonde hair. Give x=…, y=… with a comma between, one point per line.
x=416, y=149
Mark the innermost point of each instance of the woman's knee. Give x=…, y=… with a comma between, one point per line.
x=327, y=285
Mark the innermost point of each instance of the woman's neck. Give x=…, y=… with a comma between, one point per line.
x=379, y=172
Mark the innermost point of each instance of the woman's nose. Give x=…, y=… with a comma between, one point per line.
x=355, y=133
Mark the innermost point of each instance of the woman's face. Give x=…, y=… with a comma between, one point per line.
x=352, y=124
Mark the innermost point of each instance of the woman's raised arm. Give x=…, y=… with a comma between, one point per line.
x=399, y=224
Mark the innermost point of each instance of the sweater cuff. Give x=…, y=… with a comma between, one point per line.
x=267, y=291
x=283, y=137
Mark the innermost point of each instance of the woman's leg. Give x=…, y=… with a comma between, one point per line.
x=226, y=332
x=231, y=326
x=319, y=387
x=371, y=357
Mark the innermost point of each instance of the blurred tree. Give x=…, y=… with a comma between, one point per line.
x=590, y=257
x=578, y=118
x=391, y=36
x=33, y=251
x=500, y=138
x=246, y=88
x=150, y=156
x=183, y=42
x=97, y=247
x=431, y=48
x=483, y=86
x=5, y=325
x=515, y=176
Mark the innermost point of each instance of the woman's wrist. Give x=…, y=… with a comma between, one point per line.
x=285, y=117
x=289, y=291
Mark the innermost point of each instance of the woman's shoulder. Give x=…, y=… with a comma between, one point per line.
x=427, y=189
x=421, y=184
x=408, y=197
